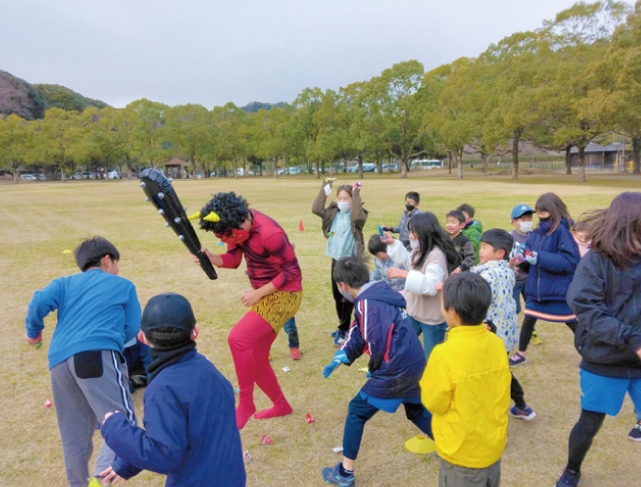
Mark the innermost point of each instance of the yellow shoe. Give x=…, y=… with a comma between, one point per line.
x=420, y=444
x=535, y=338
x=94, y=482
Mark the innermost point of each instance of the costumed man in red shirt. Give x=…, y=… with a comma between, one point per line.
x=275, y=296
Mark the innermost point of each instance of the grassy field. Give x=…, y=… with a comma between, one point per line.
x=40, y=220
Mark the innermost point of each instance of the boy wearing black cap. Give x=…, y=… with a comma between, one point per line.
x=190, y=430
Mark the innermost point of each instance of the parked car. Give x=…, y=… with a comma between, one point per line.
x=240, y=171
x=28, y=177
x=290, y=170
x=369, y=167
x=114, y=175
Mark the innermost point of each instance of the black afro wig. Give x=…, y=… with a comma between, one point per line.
x=232, y=209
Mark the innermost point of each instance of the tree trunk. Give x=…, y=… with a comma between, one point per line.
x=636, y=155
x=515, y=156
x=234, y=163
x=404, y=167
x=582, y=178
x=568, y=159
x=316, y=171
x=449, y=160
x=359, y=159
x=459, y=165
x=484, y=158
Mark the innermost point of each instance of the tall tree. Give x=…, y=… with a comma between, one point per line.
x=401, y=102
x=147, y=133
x=187, y=129
x=16, y=136
x=56, y=136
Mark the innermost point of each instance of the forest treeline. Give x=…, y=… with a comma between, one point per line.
x=575, y=80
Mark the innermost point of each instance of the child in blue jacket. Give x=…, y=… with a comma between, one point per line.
x=395, y=367
x=190, y=430
x=98, y=312
x=553, y=256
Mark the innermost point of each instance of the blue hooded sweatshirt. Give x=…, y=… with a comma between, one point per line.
x=190, y=430
x=397, y=359
x=558, y=256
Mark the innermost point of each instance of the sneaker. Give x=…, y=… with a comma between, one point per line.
x=339, y=337
x=535, y=338
x=635, y=433
x=570, y=478
x=517, y=359
x=295, y=353
x=527, y=414
x=333, y=476
x=94, y=482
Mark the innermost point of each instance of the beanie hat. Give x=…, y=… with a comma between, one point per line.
x=168, y=320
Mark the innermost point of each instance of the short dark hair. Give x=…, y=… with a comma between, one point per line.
x=352, y=271
x=413, y=195
x=456, y=214
x=232, y=209
x=91, y=251
x=376, y=245
x=465, y=208
x=469, y=295
x=499, y=240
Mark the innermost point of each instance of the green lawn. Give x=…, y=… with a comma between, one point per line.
x=40, y=220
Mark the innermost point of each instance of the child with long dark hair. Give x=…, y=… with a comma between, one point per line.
x=606, y=297
x=432, y=259
x=553, y=256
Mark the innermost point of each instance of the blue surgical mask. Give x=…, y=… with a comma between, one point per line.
x=346, y=295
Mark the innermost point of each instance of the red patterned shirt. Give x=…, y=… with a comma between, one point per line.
x=269, y=254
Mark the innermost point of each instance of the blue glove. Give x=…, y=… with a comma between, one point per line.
x=339, y=358
x=531, y=257
x=368, y=375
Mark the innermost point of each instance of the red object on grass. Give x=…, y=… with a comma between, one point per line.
x=48, y=403
x=300, y=226
x=266, y=440
x=309, y=419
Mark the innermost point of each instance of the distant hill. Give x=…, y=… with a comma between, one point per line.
x=255, y=106
x=31, y=101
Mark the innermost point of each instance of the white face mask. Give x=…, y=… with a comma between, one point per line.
x=525, y=226
x=345, y=207
x=415, y=245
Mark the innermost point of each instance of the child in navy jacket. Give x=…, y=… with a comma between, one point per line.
x=553, y=256
x=190, y=430
x=395, y=367
x=606, y=297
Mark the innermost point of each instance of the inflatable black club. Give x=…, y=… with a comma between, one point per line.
x=161, y=194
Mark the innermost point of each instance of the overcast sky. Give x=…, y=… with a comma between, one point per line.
x=211, y=52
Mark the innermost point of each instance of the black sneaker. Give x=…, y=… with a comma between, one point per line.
x=570, y=478
x=635, y=433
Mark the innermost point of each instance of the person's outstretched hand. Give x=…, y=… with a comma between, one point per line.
x=388, y=239
x=339, y=358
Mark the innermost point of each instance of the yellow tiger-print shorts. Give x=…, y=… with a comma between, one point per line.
x=277, y=308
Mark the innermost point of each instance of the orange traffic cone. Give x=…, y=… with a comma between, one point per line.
x=300, y=226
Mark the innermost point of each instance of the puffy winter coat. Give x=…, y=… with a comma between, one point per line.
x=607, y=302
x=558, y=256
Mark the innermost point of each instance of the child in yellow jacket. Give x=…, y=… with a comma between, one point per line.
x=466, y=386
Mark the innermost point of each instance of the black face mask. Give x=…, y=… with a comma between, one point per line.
x=544, y=220
x=409, y=207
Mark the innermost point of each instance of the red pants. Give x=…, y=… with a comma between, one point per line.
x=250, y=341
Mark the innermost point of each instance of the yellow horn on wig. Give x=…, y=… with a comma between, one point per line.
x=212, y=217
x=195, y=216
